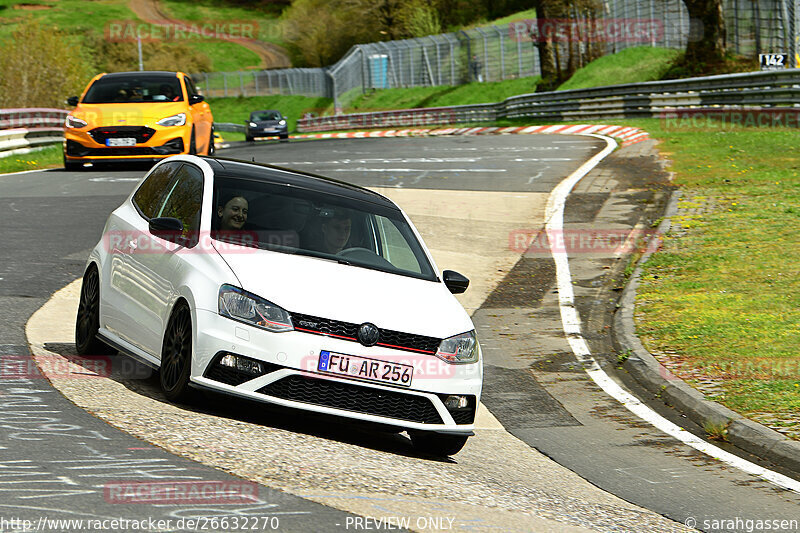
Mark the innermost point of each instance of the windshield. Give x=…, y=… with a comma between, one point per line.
x=134, y=90
x=261, y=116
x=299, y=221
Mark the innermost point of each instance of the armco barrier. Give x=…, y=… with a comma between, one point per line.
x=23, y=130
x=637, y=100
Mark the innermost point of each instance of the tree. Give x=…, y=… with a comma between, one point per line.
x=706, y=19
x=40, y=66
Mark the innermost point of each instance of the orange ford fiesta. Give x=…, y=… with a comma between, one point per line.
x=141, y=116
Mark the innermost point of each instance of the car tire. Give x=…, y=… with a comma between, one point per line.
x=249, y=139
x=193, y=144
x=436, y=443
x=284, y=138
x=71, y=166
x=211, y=147
x=87, y=323
x=176, y=356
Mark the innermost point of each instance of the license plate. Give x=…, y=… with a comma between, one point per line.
x=269, y=130
x=354, y=366
x=121, y=141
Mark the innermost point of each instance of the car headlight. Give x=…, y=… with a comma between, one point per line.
x=282, y=123
x=174, y=120
x=253, y=125
x=459, y=349
x=75, y=122
x=238, y=304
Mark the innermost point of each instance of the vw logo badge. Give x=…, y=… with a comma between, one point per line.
x=368, y=334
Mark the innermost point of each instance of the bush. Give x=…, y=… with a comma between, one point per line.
x=40, y=66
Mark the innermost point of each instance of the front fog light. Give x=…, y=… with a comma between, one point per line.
x=456, y=402
x=242, y=364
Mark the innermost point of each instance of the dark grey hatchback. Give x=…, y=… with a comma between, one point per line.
x=266, y=123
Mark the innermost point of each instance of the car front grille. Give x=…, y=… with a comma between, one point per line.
x=142, y=134
x=378, y=402
x=349, y=331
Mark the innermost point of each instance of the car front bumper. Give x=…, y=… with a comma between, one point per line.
x=81, y=147
x=293, y=380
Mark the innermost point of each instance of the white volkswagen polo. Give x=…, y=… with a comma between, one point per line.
x=287, y=288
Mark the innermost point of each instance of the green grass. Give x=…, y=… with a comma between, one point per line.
x=237, y=110
x=71, y=16
x=79, y=17
x=724, y=295
x=47, y=157
x=268, y=23
x=522, y=15
x=632, y=65
x=227, y=56
x=470, y=93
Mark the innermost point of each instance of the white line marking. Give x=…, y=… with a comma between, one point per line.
x=571, y=322
x=27, y=172
x=113, y=180
x=364, y=169
x=537, y=176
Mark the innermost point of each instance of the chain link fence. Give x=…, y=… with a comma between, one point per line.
x=496, y=53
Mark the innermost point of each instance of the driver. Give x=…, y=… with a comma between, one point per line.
x=336, y=232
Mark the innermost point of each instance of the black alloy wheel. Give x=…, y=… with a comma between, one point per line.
x=88, y=321
x=176, y=356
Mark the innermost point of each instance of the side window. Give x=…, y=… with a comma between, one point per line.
x=150, y=196
x=395, y=246
x=185, y=199
x=190, y=87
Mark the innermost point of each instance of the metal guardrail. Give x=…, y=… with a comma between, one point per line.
x=229, y=126
x=638, y=100
x=25, y=130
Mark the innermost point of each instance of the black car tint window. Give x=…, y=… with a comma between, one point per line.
x=134, y=90
x=297, y=220
x=185, y=198
x=190, y=87
x=150, y=196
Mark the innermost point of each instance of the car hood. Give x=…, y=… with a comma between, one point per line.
x=327, y=289
x=127, y=114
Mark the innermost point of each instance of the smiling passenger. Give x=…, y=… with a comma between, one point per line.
x=233, y=214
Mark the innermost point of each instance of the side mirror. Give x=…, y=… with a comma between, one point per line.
x=72, y=100
x=455, y=282
x=166, y=227
x=196, y=99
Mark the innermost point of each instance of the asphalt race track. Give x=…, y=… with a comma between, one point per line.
x=478, y=202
